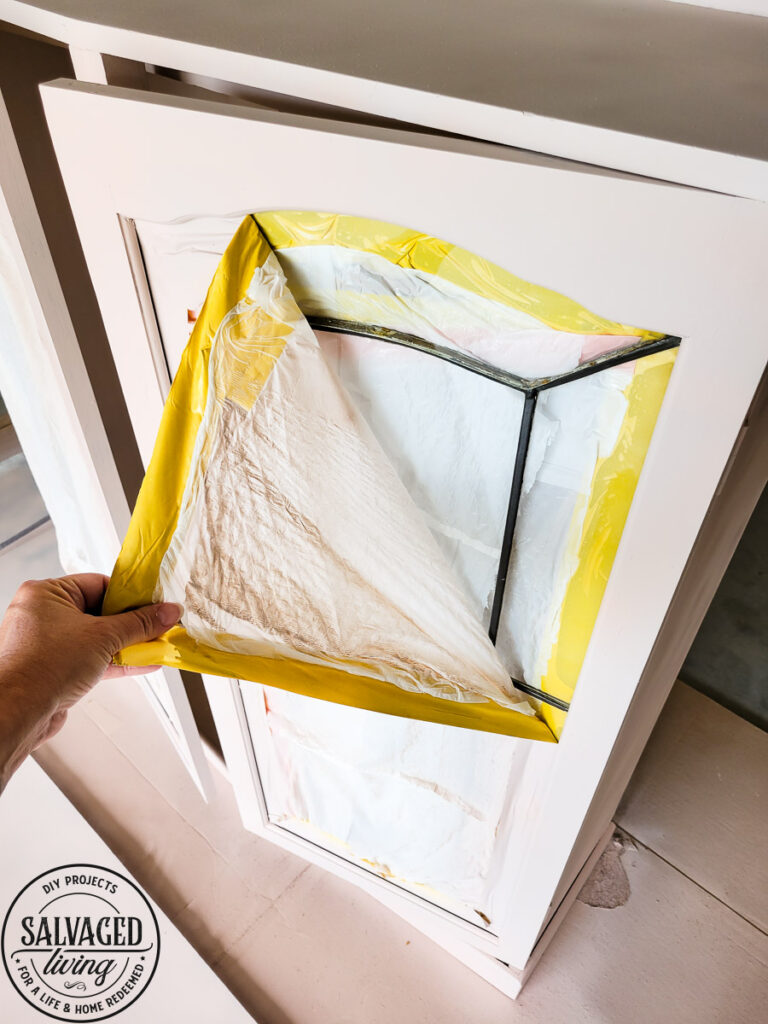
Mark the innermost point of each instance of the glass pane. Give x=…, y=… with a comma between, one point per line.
x=416, y=803
x=423, y=805
x=451, y=436
x=504, y=327
x=574, y=425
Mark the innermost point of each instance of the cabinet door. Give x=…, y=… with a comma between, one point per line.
x=45, y=381
x=151, y=179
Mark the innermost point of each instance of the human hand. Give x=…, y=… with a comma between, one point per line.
x=54, y=647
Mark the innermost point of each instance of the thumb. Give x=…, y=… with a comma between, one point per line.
x=141, y=624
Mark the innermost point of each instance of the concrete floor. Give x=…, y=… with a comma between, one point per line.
x=729, y=658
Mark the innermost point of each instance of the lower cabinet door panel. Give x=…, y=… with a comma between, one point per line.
x=476, y=308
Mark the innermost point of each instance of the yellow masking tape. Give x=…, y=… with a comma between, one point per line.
x=416, y=251
x=245, y=367
x=177, y=649
x=157, y=507
x=613, y=487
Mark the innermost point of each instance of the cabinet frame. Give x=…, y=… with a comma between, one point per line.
x=645, y=234
x=539, y=121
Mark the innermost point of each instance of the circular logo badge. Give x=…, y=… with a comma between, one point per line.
x=80, y=943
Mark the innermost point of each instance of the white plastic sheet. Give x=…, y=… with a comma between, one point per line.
x=420, y=803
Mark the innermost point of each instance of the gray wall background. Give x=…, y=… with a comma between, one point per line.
x=729, y=657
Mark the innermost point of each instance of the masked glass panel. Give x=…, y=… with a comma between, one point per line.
x=514, y=421
x=417, y=803
x=575, y=425
x=450, y=436
x=428, y=415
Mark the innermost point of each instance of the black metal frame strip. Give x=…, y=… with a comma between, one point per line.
x=515, y=491
x=24, y=533
x=412, y=341
x=545, y=698
x=530, y=388
x=608, y=360
x=525, y=385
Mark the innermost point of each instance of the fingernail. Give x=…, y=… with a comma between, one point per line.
x=169, y=613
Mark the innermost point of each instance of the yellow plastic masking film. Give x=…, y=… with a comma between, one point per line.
x=413, y=250
x=157, y=508
x=613, y=487
x=157, y=511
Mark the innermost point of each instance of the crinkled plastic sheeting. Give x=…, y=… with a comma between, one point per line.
x=267, y=435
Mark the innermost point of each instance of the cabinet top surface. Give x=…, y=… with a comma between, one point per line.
x=651, y=68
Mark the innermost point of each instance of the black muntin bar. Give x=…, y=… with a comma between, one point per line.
x=530, y=387
x=545, y=698
x=605, y=362
x=525, y=385
x=523, y=440
x=23, y=533
x=412, y=341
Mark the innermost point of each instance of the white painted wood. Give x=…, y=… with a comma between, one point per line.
x=47, y=382
x=645, y=86
x=231, y=728
x=105, y=69
x=563, y=905
x=54, y=411
x=699, y=798
x=88, y=65
x=670, y=258
x=710, y=555
x=758, y=7
x=165, y=692
x=507, y=979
